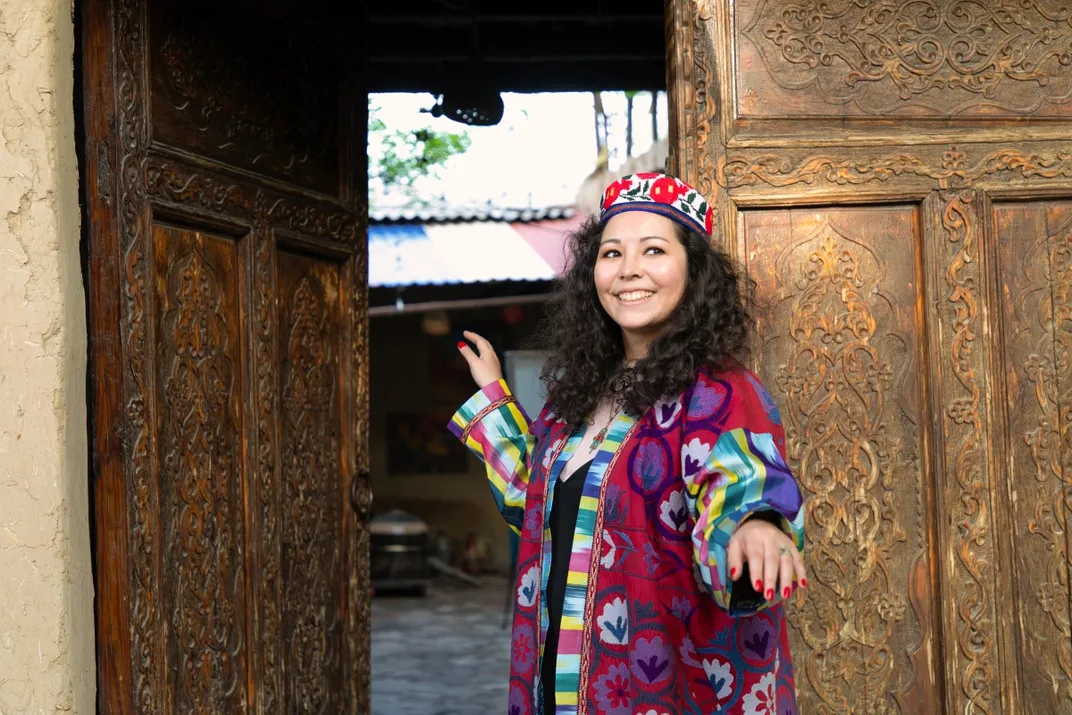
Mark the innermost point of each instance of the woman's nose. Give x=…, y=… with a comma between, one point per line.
x=630, y=266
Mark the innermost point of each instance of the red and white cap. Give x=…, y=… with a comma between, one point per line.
x=661, y=194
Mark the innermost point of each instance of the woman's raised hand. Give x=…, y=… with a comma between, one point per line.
x=483, y=362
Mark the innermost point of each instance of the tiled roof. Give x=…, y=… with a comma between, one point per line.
x=450, y=249
x=457, y=213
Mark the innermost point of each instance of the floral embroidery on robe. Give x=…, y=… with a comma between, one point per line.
x=651, y=623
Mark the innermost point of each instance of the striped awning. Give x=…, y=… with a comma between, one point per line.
x=404, y=254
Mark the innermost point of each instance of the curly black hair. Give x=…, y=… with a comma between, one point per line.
x=712, y=324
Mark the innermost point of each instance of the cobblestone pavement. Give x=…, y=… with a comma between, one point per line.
x=447, y=654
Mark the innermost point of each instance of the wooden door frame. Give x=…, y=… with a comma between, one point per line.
x=108, y=495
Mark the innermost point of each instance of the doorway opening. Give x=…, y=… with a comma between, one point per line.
x=472, y=239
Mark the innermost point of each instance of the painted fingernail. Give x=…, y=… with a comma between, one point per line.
x=460, y=345
x=759, y=585
x=733, y=572
x=803, y=583
x=770, y=594
x=786, y=592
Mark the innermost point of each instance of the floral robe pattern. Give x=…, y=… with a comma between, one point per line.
x=651, y=623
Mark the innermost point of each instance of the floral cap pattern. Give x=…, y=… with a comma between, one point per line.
x=661, y=194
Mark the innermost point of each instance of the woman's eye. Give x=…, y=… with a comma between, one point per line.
x=611, y=254
x=654, y=251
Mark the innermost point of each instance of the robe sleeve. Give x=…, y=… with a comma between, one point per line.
x=494, y=426
x=742, y=473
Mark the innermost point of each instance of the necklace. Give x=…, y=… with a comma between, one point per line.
x=602, y=434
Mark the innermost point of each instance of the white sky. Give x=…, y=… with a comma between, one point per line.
x=538, y=155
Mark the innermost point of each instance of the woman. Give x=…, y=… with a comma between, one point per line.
x=660, y=527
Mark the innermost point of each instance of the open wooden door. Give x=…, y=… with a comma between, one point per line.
x=227, y=284
x=897, y=177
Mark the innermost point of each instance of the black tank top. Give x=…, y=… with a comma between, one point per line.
x=564, y=509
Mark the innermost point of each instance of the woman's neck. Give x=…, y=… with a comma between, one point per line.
x=636, y=346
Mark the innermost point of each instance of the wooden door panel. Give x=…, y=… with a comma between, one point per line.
x=200, y=367
x=311, y=315
x=839, y=346
x=242, y=89
x=1034, y=240
x=931, y=58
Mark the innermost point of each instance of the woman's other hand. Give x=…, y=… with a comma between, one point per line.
x=774, y=564
x=483, y=362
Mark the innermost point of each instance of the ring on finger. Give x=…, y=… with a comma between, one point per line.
x=785, y=552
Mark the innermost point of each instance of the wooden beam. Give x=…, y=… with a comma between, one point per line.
x=617, y=40
x=567, y=9
x=549, y=76
x=460, y=59
x=443, y=21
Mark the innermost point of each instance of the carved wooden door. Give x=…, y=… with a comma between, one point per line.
x=897, y=177
x=227, y=285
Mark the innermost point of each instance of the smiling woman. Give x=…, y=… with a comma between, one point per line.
x=660, y=527
x=699, y=315
x=640, y=276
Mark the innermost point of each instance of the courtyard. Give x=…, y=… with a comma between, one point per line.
x=447, y=654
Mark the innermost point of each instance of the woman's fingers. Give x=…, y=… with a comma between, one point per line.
x=785, y=571
x=483, y=362
x=799, y=569
x=484, y=352
x=754, y=550
x=470, y=356
x=770, y=569
x=735, y=559
x=483, y=347
x=774, y=563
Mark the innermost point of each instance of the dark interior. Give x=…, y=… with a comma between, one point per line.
x=554, y=45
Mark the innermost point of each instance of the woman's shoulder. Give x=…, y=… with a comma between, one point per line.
x=730, y=371
x=548, y=424
x=742, y=382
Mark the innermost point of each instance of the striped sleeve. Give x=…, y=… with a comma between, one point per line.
x=744, y=475
x=494, y=426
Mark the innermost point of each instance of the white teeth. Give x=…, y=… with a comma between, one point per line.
x=635, y=295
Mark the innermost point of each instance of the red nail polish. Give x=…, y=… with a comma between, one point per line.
x=803, y=583
x=759, y=585
x=786, y=592
x=733, y=572
x=460, y=345
x=770, y=594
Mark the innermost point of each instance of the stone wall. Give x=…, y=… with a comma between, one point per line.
x=46, y=588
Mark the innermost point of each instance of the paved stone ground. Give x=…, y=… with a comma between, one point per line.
x=447, y=654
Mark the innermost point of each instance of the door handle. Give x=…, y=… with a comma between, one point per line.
x=361, y=494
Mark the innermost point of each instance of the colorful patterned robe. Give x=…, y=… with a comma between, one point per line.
x=651, y=624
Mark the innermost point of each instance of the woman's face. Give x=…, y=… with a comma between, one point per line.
x=640, y=276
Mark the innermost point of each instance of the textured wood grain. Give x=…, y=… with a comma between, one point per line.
x=967, y=512
x=263, y=100
x=206, y=434
x=198, y=281
x=936, y=110
x=1035, y=254
x=839, y=340
x=945, y=58
x=312, y=623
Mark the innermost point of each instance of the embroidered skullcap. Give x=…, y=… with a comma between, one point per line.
x=661, y=194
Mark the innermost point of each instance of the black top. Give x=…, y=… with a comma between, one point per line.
x=564, y=507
